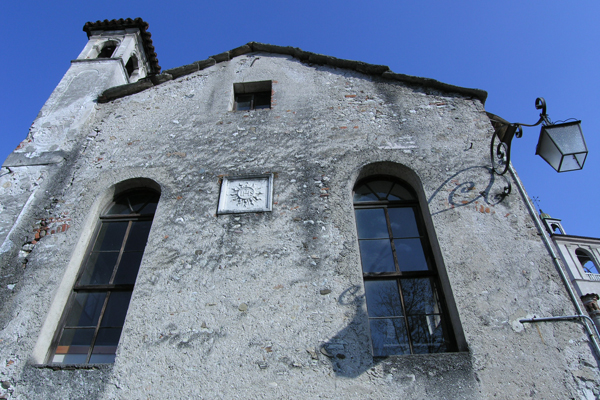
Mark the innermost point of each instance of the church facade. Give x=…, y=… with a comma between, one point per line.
x=272, y=223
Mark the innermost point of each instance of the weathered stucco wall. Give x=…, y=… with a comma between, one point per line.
x=304, y=331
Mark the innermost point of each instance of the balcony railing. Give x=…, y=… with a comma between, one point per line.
x=593, y=277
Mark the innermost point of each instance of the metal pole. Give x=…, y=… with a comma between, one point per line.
x=561, y=318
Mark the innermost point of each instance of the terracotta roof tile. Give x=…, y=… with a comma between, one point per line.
x=382, y=71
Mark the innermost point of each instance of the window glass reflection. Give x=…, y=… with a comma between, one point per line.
x=410, y=255
x=111, y=235
x=381, y=188
x=363, y=193
x=376, y=256
x=426, y=334
x=399, y=192
x=99, y=268
x=383, y=298
x=86, y=309
x=389, y=337
x=74, y=346
x=419, y=296
x=404, y=224
x=371, y=223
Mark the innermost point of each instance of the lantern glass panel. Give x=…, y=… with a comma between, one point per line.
x=563, y=146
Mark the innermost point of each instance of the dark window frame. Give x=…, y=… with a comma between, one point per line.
x=398, y=276
x=258, y=95
x=256, y=101
x=107, y=289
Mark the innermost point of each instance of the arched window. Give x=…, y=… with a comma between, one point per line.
x=556, y=229
x=404, y=302
x=93, y=319
x=586, y=261
x=132, y=65
x=108, y=49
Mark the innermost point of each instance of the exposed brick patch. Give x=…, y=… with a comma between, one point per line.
x=50, y=226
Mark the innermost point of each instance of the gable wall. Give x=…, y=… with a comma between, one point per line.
x=185, y=332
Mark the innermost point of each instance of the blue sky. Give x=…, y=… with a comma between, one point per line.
x=515, y=50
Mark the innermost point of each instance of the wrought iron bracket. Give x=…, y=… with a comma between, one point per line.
x=504, y=132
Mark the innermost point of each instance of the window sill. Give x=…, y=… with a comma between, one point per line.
x=410, y=358
x=67, y=367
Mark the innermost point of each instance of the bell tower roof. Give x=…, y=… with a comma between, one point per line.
x=123, y=24
x=543, y=215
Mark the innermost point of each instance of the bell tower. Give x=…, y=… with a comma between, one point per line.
x=118, y=52
x=123, y=45
x=552, y=225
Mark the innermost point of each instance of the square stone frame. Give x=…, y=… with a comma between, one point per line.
x=246, y=194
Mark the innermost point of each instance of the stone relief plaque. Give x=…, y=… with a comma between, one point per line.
x=244, y=194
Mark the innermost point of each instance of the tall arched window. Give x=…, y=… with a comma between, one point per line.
x=404, y=302
x=586, y=261
x=91, y=325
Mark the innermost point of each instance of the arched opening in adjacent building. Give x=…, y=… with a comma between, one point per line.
x=587, y=261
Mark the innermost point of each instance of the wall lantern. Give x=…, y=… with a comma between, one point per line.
x=562, y=145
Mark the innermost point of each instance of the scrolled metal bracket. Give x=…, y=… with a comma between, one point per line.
x=504, y=132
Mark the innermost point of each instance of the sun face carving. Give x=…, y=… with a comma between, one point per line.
x=246, y=193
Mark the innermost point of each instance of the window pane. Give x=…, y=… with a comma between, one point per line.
x=243, y=102
x=105, y=346
x=383, y=298
x=138, y=235
x=400, y=193
x=371, y=223
x=419, y=296
x=135, y=203
x=116, y=309
x=403, y=222
x=410, y=255
x=149, y=207
x=111, y=236
x=73, y=346
x=102, y=358
x=128, y=268
x=376, y=256
x=427, y=334
x=86, y=309
x=590, y=267
x=389, y=337
x=138, y=201
x=99, y=268
x=262, y=100
x=381, y=188
x=121, y=207
x=363, y=193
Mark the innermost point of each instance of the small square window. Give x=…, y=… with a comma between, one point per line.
x=252, y=95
